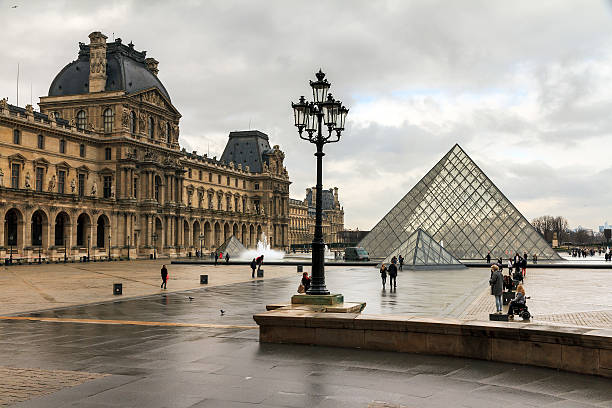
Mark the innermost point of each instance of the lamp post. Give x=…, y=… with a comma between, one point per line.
x=128, y=247
x=88, y=244
x=64, y=239
x=39, y=249
x=201, y=239
x=109, y=247
x=11, y=238
x=323, y=114
x=154, y=236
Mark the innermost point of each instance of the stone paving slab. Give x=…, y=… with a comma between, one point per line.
x=21, y=384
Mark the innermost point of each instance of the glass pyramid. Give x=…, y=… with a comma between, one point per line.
x=421, y=251
x=232, y=246
x=461, y=208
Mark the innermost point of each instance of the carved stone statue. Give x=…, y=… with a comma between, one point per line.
x=28, y=184
x=51, y=117
x=29, y=110
x=125, y=118
x=189, y=199
x=112, y=193
x=52, y=183
x=265, y=167
x=94, y=189
x=1, y=178
x=3, y=104
x=73, y=186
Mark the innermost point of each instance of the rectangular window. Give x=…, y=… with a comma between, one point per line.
x=81, y=185
x=107, y=186
x=16, y=136
x=200, y=175
x=256, y=186
x=61, y=181
x=189, y=173
x=236, y=183
x=107, y=153
x=219, y=178
x=243, y=184
x=210, y=177
x=39, y=178
x=228, y=180
x=15, y=175
x=135, y=187
x=41, y=142
x=82, y=150
x=62, y=146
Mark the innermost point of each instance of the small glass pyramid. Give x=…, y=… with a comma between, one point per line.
x=421, y=251
x=457, y=204
x=232, y=246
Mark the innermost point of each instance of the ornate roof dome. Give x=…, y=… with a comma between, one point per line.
x=126, y=70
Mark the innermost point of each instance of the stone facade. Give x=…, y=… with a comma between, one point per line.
x=101, y=172
x=302, y=217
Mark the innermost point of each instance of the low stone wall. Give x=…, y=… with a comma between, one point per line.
x=575, y=349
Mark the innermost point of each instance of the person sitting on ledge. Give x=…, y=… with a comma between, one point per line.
x=517, y=302
x=305, y=281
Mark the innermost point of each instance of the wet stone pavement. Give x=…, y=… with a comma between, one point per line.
x=165, y=366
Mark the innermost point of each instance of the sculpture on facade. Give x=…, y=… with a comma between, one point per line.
x=28, y=184
x=94, y=189
x=112, y=192
x=3, y=104
x=72, y=186
x=125, y=118
x=1, y=178
x=52, y=184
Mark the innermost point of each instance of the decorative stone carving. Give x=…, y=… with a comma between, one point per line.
x=3, y=104
x=52, y=183
x=51, y=117
x=125, y=118
x=1, y=178
x=112, y=192
x=72, y=122
x=29, y=110
x=94, y=189
x=73, y=186
x=142, y=120
x=28, y=184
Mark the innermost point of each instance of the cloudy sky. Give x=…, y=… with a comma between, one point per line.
x=524, y=87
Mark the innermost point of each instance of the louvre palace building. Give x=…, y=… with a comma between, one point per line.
x=99, y=170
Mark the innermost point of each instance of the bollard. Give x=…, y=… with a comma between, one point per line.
x=260, y=273
x=300, y=268
x=117, y=288
x=203, y=279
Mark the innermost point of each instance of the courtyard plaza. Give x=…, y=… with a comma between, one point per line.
x=174, y=348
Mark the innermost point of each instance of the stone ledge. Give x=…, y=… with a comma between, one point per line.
x=576, y=349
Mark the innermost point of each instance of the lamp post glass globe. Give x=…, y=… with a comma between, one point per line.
x=311, y=116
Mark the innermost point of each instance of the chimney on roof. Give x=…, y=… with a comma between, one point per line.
x=97, y=62
x=151, y=64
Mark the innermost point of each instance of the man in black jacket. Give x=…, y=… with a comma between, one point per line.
x=392, y=275
x=164, y=276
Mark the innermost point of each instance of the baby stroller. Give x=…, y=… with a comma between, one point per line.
x=520, y=309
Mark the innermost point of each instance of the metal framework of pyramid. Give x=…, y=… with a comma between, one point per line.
x=421, y=251
x=232, y=246
x=457, y=204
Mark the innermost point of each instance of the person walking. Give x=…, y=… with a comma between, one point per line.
x=383, y=274
x=227, y=257
x=216, y=257
x=497, y=287
x=524, y=265
x=253, y=267
x=164, y=276
x=489, y=258
x=401, y=263
x=392, y=276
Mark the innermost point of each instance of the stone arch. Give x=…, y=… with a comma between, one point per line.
x=102, y=231
x=207, y=230
x=39, y=229
x=61, y=228
x=159, y=233
x=83, y=230
x=251, y=236
x=235, y=230
x=226, y=232
x=195, y=234
x=13, y=228
x=217, y=235
x=243, y=235
x=186, y=235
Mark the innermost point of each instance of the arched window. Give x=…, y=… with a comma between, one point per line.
x=81, y=120
x=100, y=232
x=133, y=122
x=151, y=128
x=109, y=118
x=157, y=187
x=168, y=134
x=37, y=229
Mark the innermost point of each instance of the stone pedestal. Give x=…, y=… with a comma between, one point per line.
x=303, y=299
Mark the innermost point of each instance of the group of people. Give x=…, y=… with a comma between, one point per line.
x=391, y=270
x=256, y=264
x=219, y=255
x=498, y=282
x=518, y=263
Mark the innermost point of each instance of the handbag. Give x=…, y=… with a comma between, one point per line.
x=301, y=288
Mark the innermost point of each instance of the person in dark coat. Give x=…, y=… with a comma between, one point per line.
x=216, y=257
x=489, y=258
x=401, y=262
x=497, y=287
x=227, y=257
x=253, y=267
x=305, y=281
x=392, y=276
x=383, y=274
x=164, y=276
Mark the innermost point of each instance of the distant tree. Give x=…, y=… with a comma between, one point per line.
x=547, y=225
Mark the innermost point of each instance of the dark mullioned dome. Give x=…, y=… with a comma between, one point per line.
x=125, y=70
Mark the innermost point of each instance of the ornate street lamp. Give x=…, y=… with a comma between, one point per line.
x=88, y=244
x=109, y=247
x=128, y=248
x=201, y=239
x=323, y=120
x=11, y=238
x=154, y=236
